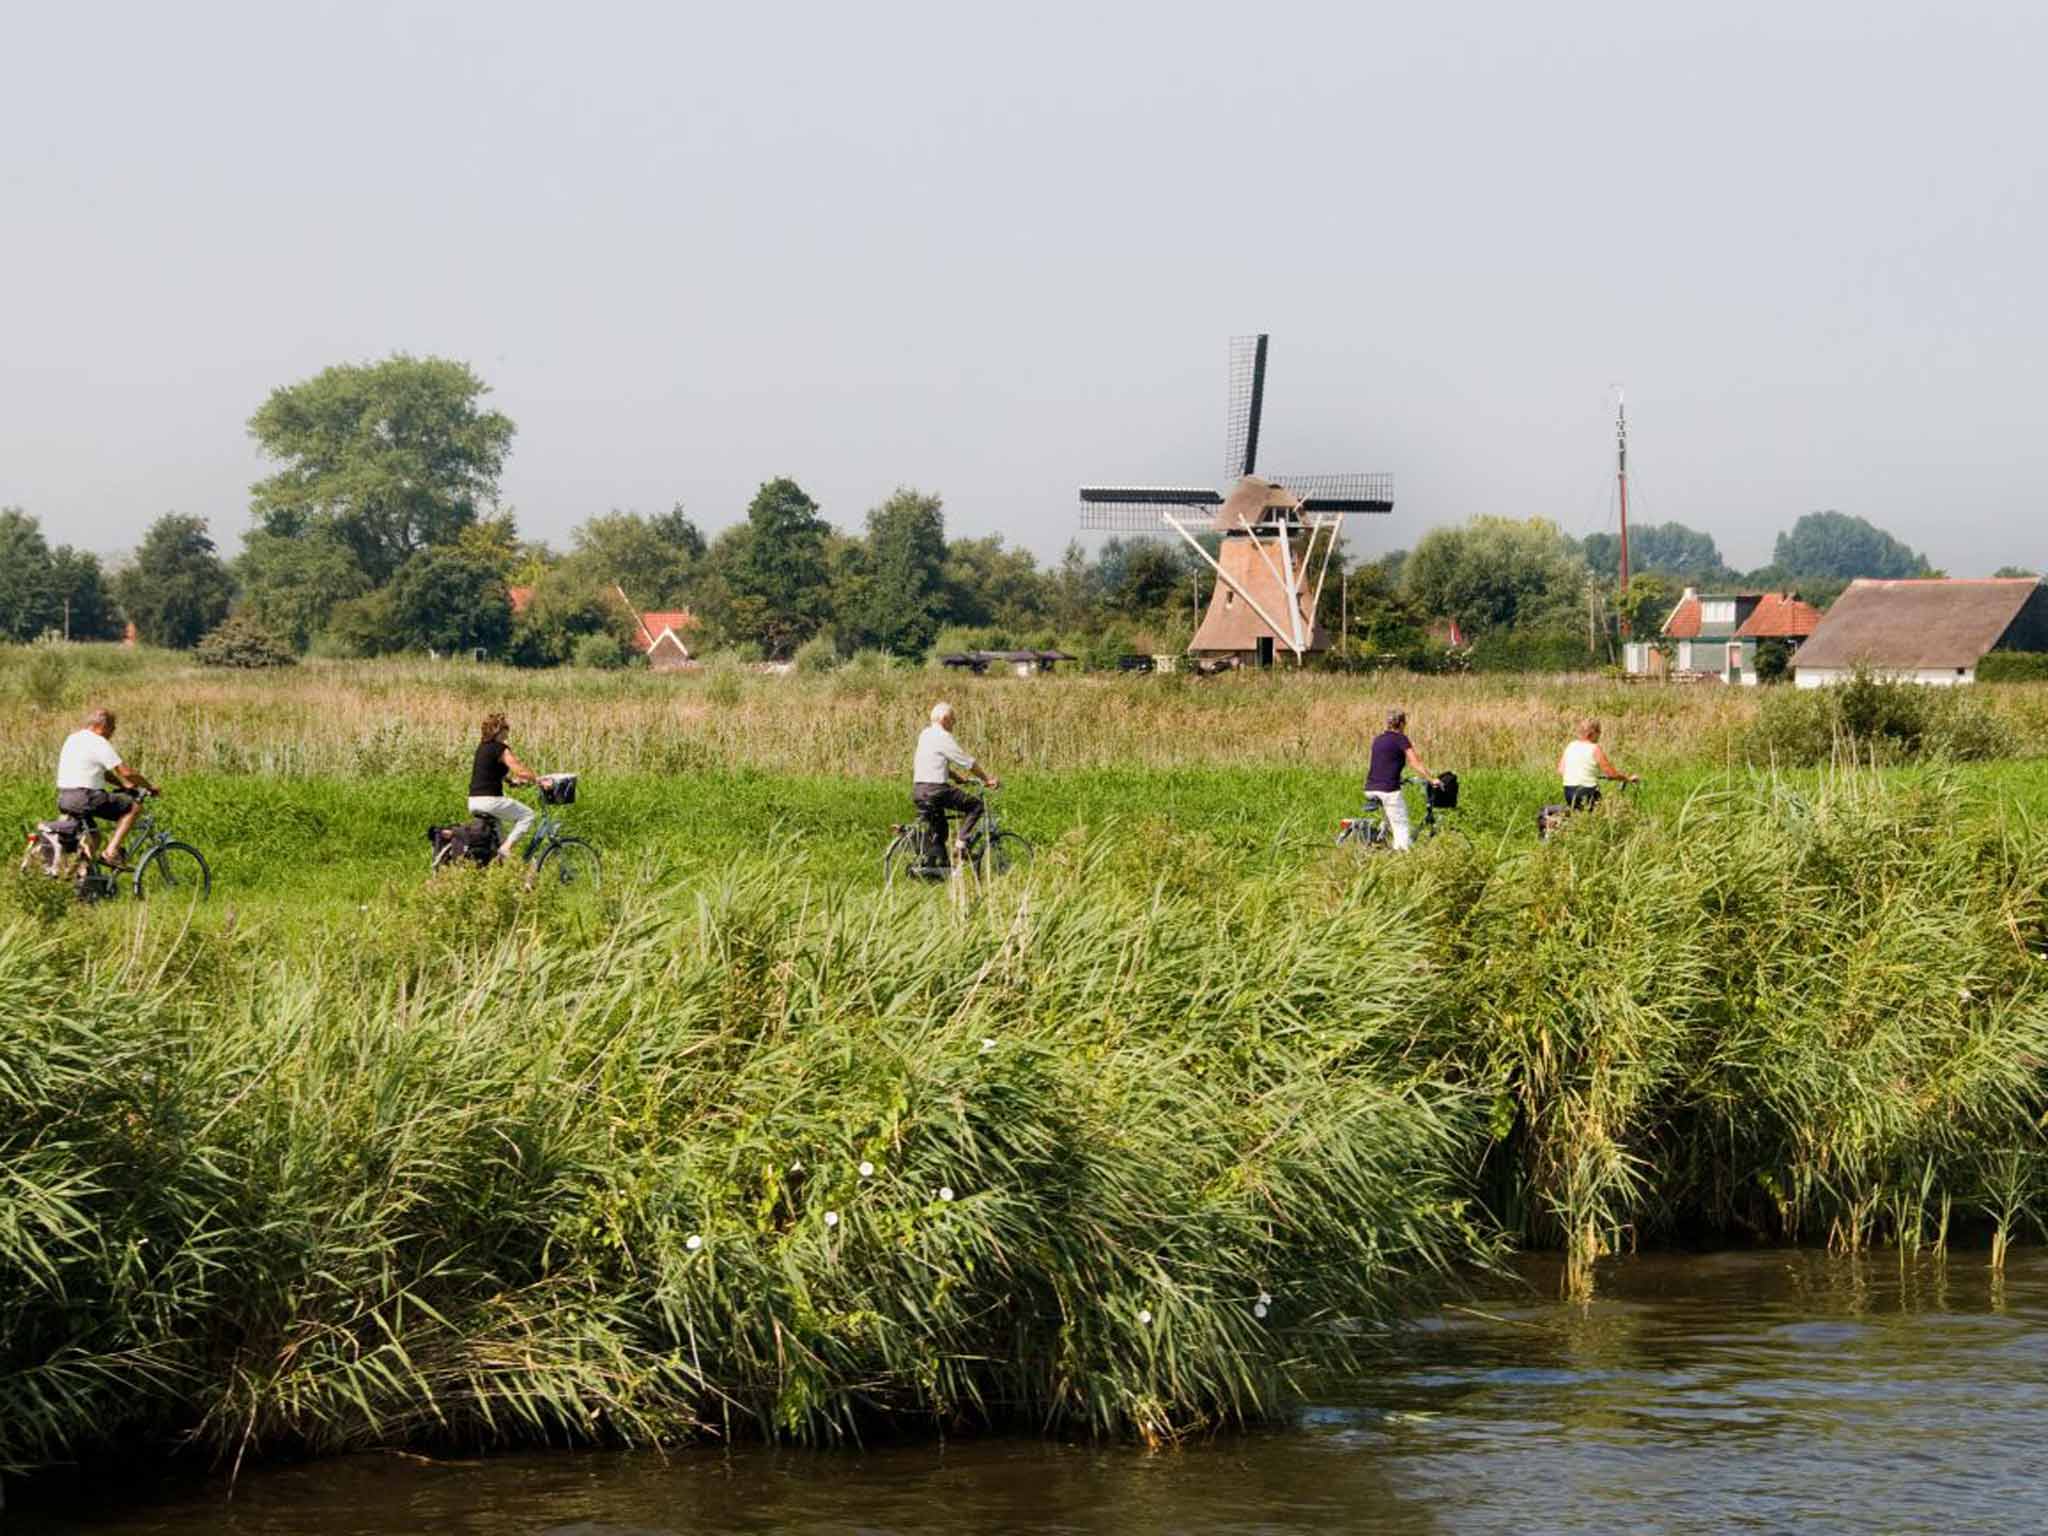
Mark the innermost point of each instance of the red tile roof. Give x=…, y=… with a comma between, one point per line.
x=1780, y=616
x=652, y=624
x=1684, y=623
x=520, y=597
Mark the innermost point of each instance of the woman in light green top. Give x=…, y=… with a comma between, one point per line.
x=1584, y=764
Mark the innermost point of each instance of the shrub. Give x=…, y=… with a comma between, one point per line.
x=240, y=640
x=601, y=652
x=2013, y=667
x=1878, y=719
x=46, y=676
x=722, y=682
x=816, y=655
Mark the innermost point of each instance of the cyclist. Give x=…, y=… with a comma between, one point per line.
x=1584, y=764
x=1392, y=752
x=939, y=761
x=493, y=765
x=87, y=761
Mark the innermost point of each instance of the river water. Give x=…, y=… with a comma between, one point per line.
x=1767, y=1391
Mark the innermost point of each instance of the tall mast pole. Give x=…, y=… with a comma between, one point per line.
x=1621, y=480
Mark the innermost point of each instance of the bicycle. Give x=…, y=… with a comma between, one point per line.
x=1551, y=818
x=548, y=851
x=168, y=868
x=991, y=850
x=1368, y=830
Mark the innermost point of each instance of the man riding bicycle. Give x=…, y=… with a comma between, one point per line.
x=493, y=764
x=1584, y=764
x=938, y=762
x=84, y=767
x=1392, y=752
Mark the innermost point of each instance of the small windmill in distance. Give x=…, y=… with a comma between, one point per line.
x=1269, y=576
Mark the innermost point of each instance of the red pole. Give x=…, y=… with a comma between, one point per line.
x=1621, y=479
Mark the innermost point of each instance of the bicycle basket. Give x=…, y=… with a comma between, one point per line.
x=558, y=789
x=1446, y=798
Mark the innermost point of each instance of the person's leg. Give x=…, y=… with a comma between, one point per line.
x=133, y=808
x=513, y=819
x=1581, y=797
x=1395, y=805
x=968, y=807
x=930, y=800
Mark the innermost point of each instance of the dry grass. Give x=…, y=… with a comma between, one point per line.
x=393, y=717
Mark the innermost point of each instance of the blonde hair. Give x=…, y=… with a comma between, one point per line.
x=1589, y=729
x=494, y=723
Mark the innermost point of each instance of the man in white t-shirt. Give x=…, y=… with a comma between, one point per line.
x=939, y=760
x=1583, y=764
x=85, y=765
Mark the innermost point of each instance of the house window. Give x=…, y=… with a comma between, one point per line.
x=1717, y=610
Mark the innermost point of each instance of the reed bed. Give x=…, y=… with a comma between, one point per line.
x=378, y=718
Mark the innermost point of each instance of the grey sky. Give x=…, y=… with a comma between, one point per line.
x=996, y=252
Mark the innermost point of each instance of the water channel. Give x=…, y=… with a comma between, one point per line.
x=1760, y=1391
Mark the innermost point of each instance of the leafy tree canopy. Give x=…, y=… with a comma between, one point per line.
x=449, y=602
x=290, y=586
x=1670, y=549
x=44, y=589
x=1838, y=546
x=1494, y=572
x=175, y=589
x=769, y=580
x=904, y=567
x=394, y=457
x=653, y=559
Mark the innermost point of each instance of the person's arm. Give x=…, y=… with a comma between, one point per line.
x=128, y=778
x=518, y=771
x=1415, y=762
x=1608, y=769
x=958, y=761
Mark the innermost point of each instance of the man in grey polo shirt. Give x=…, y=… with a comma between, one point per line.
x=939, y=760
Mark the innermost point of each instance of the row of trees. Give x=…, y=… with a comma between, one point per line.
x=380, y=531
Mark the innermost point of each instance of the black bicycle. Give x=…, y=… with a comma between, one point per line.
x=1368, y=831
x=918, y=854
x=168, y=870
x=1550, y=818
x=549, y=852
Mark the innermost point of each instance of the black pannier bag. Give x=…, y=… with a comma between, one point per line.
x=476, y=840
x=558, y=789
x=1445, y=798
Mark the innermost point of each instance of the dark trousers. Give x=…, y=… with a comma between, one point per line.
x=934, y=800
x=1581, y=797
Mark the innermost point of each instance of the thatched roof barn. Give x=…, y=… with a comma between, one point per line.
x=1932, y=630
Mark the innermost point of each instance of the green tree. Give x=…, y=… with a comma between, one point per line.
x=175, y=589
x=290, y=586
x=770, y=580
x=565, y=609
x=904, y=567
x=2015, y=570
x=450, y=603
x=1494, y=572
x=84, y=594
x=29, y=603
x=987, y=584
x=1837, y=546
x=652, y=559
x=1669, y=549
x=393, y=457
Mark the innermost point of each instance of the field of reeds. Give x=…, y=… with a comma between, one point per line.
x=1147, y=1139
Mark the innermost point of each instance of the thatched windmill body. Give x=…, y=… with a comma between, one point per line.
x=1275, y=539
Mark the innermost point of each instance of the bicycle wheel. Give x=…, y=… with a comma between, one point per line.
x=1002, y=853
x=173, y=871
x=570, y=861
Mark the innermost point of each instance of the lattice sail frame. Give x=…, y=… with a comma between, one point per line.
x=1304, y=506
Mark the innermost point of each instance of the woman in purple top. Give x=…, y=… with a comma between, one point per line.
x=1392, y=752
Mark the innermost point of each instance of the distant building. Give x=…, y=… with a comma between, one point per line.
x=1934, y=630
x=1715, y=635
x=659, y=637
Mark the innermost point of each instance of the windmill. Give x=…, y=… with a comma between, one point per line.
x=1269, y=568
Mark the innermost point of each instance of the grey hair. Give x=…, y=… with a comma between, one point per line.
x=100, y=720
x=940, y=711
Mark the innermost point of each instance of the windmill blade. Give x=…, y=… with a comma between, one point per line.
x=1247, y=405
x=1341, y=493
x=1137, y=508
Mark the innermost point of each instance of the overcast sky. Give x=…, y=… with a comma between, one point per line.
x=996, y=251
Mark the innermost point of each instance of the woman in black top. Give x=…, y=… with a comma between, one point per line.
x=488, y=771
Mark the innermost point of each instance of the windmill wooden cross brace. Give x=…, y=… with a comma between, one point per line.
x=1260, y=523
